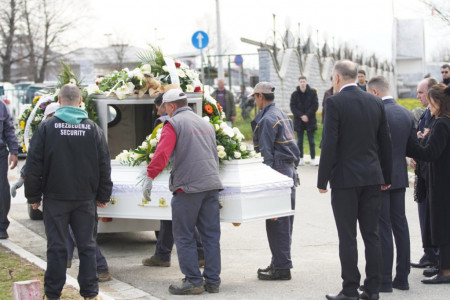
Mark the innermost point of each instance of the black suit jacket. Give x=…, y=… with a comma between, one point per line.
x=356, y=145
x=401, y=126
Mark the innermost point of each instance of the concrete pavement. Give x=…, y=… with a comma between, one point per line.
x=314, y=252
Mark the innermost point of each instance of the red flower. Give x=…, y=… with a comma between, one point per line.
x=197, y=89
x=177, y=64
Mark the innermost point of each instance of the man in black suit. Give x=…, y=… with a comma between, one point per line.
x=357, y=160
x=392, y=217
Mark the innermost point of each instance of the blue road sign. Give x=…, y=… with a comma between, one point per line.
x=238, y=60
x=200, y=39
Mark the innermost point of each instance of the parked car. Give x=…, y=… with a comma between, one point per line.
x=19, y=92
x=7, y=96
x=29, y=94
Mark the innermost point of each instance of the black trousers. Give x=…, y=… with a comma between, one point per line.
x=80, y=215
x=352, y=205
x=311, y=141
x=444, y=257
x=393, y=221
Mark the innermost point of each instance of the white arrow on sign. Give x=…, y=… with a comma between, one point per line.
x=200, y=37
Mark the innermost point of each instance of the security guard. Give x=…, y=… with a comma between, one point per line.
x=273, y=137
x=69, y=164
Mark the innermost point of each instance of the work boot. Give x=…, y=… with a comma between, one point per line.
x=275, y=275
x=270, y=267
x=98, y=297
x=103, y=275
x=154, y=262
x=186, y=288
x=210, y=288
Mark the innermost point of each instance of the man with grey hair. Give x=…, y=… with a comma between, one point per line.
x=357, y=161
x=430, y=254
x=69, y=165
x=189, y=142
x=226, y=100
x=392, y=218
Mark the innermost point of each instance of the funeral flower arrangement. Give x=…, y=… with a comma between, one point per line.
x=229, y=140
x=152, y=76
x=40, y=103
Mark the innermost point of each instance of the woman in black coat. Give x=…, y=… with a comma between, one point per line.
x=436, y=150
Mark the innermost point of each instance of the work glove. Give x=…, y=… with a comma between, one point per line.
x=147, y=189
x=15, y=186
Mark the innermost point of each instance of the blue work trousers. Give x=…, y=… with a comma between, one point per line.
x=5, y=196
x=165, y=242
x=279, y=232
x=201, y=210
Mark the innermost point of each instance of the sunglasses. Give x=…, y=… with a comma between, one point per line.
x=444, y=72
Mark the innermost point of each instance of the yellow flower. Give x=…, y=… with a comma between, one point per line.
x=22, y=125
x=36, y=99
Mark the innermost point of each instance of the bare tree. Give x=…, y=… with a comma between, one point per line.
x=8, y=25
x=46, y=22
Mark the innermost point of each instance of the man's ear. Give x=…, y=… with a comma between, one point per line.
x=59, y=100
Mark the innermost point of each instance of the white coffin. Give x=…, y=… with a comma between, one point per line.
x=252, y=191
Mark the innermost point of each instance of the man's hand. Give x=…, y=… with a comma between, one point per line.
x=385, y=187
x=322, y=191
x=304, y=118
x=35, y=206
x=102, y=204
x=13, y=160
x=147, y=189
x=412, y=163
x=232, y=118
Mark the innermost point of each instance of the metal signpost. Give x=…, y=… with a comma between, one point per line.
x=200, y=40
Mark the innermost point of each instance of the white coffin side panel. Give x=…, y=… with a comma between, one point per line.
x=252, y=191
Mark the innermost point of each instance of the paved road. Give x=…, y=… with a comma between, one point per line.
x=314, y=252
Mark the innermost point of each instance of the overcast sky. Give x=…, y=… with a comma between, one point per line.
x=170, y=24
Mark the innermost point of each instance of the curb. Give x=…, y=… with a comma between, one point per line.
x=116, y=289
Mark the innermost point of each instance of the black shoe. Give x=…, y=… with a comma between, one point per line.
x=186, y=288
x=385, y=288
x=438, y=279
x=265, y=269
x=210, y=288
x=273, y=274
x=400, y=286
x=430, y=272
x=423, y=263
x=341, y=296
x=367, y=296
x=3, y=235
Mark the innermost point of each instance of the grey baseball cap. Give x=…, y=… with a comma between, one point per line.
x=264, y=87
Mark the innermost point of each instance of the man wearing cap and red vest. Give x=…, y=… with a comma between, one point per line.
x=273, y=137
x=189, y=143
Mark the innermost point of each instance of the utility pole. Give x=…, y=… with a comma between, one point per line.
x=220, y=73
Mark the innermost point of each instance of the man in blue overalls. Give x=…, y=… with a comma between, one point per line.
x=273, y=137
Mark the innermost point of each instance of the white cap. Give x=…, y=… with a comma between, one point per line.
x=173, y=95
x=50, y=109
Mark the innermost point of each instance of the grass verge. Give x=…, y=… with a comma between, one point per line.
x=13, y=268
